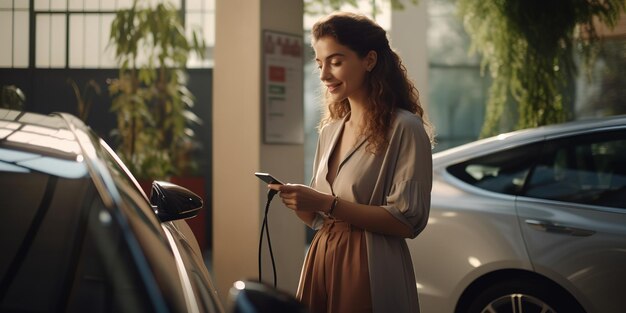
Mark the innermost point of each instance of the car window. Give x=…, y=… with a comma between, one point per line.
x=51, y=258
x=503, y=171
x=588, y=169
x=156, y=250
x=106, y=278
x=40, y=219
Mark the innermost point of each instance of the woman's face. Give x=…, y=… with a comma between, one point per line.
x=342, y=71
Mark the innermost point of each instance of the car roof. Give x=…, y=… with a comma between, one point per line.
x=43, y=143
x=54, y=137
x=524, y=136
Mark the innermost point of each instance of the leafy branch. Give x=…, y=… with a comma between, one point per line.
x=151, y=99
x=528, y=47
x=84, y=98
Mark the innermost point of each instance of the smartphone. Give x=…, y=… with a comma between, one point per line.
x=268, y=178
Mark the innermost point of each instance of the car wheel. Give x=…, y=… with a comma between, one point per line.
x=526, y=296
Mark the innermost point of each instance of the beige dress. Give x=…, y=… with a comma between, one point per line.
x=399, y=179
x=335, y=276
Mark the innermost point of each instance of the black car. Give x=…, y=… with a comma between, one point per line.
x=80, y=235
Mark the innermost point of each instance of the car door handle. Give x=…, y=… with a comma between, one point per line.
x=559, y=229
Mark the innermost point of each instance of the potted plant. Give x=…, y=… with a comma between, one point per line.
x=149, y=96
x=84, y=98
x=11, y=97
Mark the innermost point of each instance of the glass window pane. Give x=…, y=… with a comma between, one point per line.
x=194, y=5
x=194, y=62
x=209, y=29
x=206, y=22
x=176, y=3
x=195, y=22
x=124, y=4
x=107, y=54
x=77, y=40
x=42, y=42
x=58, y=4
x=76, y=4
x=22, y=4
x=92, y=42
x=38, y=284
x=460, y=95
x=105, y=282
x=586, y=169
x=447, y=40
x=42, y=5
x=604, y=93
x=6, y=4
x=92, y=4
x=6, y=34
x=502, y=172
x=57, y=44
x=19, y=202
x=107, y=5
x=20, y=40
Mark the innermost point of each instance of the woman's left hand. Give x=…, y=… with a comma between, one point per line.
x=303, y=198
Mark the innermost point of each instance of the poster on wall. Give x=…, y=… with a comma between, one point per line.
x=283, y=94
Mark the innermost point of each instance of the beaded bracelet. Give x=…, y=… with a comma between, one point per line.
x=333, y=206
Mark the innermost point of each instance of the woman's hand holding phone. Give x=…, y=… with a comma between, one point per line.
x=298, y=197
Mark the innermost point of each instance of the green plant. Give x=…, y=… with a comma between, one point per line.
x=150, y=97
x=528, y=47
x=84, y=99
x=12, y=98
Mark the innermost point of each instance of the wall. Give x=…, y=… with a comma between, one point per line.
x=238, y=149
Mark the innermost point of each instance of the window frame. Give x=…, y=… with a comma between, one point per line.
x=544, y=145
x=550, y=146
x=451, y=169
x=206, y=11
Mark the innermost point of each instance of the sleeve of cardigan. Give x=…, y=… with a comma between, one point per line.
x=318, y=220
x=408, y=198
x=409, y=202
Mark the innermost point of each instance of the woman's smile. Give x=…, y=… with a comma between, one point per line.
x=333, y=87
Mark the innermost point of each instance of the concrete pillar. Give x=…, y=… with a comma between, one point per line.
x=408, y=37
x=239, y=149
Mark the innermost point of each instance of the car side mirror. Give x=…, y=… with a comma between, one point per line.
x=254, y=297
x=172, y=202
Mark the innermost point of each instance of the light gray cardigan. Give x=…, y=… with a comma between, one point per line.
x=398, y=179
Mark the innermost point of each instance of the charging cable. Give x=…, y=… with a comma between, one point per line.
x=265, y=227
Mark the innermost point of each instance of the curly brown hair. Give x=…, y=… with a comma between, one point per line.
x=387, y=84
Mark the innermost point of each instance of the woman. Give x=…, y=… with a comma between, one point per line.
x=372, y=175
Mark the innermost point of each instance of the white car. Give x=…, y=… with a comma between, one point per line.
x=529, y=221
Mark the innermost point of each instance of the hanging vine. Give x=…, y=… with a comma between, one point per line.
x=528, y=48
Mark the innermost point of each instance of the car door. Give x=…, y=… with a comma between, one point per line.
x=191, y=266
x=572, y=213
